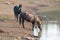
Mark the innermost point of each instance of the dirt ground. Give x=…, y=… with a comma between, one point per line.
x=12, y=30
x=9, y=28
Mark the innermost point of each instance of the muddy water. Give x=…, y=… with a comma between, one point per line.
x=51, y=28
x=51, y=31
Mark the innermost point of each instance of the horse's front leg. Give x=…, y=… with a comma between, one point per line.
x=23, y=23
x=39, y=26
x=33, y=26
x=19, y=19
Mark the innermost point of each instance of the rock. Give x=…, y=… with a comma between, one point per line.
x=8, y=3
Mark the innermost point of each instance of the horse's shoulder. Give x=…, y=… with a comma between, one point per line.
x=37, y=18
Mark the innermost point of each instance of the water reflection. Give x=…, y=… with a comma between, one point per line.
x=50, y=31
x=36, y=31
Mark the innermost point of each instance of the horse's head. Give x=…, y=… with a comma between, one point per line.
x=42, y=18
x=20, y=7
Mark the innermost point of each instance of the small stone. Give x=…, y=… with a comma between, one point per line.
x=8, y=3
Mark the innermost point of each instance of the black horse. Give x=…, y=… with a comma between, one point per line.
x=16, y=11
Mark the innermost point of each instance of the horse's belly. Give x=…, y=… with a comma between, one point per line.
x=28, y=20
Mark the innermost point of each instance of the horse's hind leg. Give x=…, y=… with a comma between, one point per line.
x=23, y=22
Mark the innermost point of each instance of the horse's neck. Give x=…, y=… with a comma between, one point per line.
x=20, y=10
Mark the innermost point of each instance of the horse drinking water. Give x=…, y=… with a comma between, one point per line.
x=30, y=18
